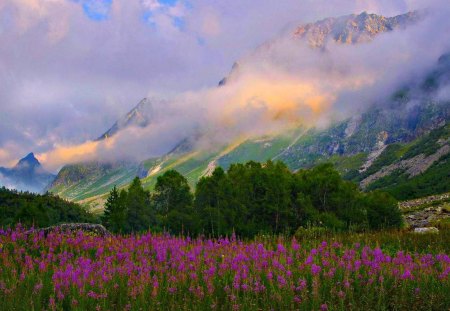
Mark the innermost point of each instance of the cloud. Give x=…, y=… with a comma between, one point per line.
x=66, y=76
x=167, y=16
x=6, y=157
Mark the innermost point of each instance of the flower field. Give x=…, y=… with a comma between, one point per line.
x=385, y=271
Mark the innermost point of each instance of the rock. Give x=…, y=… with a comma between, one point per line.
x=413, y=166
x=351, y=29
x=425, y=212
x=67, y=228
x=416, y=202
x=426, y=230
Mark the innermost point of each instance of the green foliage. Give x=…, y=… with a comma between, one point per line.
x=38, y=210
x=387, y=157
x=382, y=211
x=400, y=184
x=337, y=202
x=115, y=216
x=173, y=203
x=214, y=205
x=250, y=199
x=82, y=181
x=428, y=144
x=129, y=211
x=253, y=198
x=432, y=181
x=138, y=209
x=169, y=208
x=347, y=165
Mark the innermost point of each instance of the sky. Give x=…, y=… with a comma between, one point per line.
x=70, y=68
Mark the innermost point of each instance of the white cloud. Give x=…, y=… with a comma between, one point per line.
x=65, y=78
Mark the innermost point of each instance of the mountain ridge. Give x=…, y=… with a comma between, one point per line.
x=355, y=145
x=352, y=28
x=26, y=175
x=139, y=116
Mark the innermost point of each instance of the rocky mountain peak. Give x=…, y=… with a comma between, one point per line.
x=353, y=28
x=29, y=161
x=139, y=116
x=26, y=175
x=347, y=29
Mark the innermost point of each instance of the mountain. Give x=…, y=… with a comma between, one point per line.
x=26, y=175
x=352, y=29
x=347, y=29
x=139, y=116
x=77, y=182
x=88, y=179
x=399, y=143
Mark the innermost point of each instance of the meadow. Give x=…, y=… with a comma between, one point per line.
x=314, y=270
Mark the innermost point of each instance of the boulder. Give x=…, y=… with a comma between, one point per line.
x=85, y=227
x=426, y=230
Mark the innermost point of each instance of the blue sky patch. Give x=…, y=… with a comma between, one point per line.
x=179, y=22
x=97, y=10
x=168, y=2
x=147, y=18
x=201, y=41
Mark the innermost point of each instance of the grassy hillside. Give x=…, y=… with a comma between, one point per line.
x=348, y=145
x=401, y=182
x=92, y=189
x=81, y=181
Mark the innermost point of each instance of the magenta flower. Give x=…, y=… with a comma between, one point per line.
x=407, y=275
x=315, y=269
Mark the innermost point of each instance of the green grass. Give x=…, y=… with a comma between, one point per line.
x=96, y=185
x=346, y=164
x=257, y=150
x=192, y=167
x=390, y=241
x=429, y=143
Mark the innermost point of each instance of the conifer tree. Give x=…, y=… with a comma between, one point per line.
x=114, y=217
x=173, y=202
x=139, y=211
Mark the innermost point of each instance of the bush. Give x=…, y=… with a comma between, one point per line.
x=382, y=211
x=39, y=210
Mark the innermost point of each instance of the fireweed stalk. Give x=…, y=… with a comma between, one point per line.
x=160, y=272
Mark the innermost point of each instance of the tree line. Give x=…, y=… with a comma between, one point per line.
x=250, y=199
x=38, y=210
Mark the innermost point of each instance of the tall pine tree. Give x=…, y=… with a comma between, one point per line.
x=173, y=202
x=139, y=211
x=114, y=217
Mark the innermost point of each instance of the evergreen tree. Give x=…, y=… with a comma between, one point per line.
x=279, y=213
x=114, y=217
x=248, y=199
x=173, y=202
x=214, y=204
x=139, y=214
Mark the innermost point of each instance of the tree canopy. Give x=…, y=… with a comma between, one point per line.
x=39, y=210
x=249, y=199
